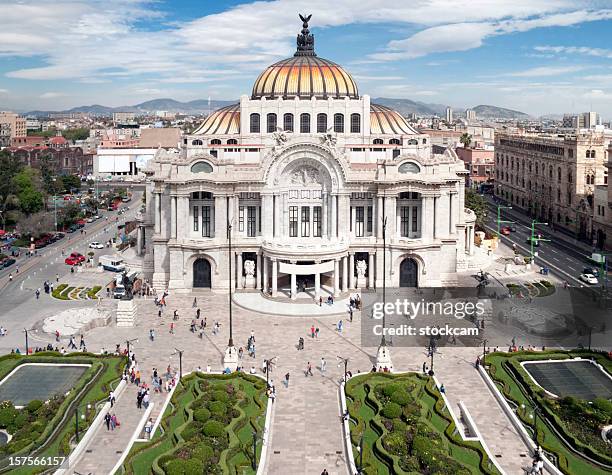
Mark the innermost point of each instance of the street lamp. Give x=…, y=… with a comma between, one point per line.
x=268, y=363
x=532, y=238
x=27, y=352
x=55, y=203
x=76, y=420
x=432, y=349
x=230, y=359
x=180, y=353
x=484, y=352
x=383, y=357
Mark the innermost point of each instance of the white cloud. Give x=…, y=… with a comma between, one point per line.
x=52, y=95
x=576, y=50
x=3, y=91
x=543, y=71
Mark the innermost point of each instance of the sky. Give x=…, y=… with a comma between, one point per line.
x=536, y=56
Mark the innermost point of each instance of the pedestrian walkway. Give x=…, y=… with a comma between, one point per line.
x=306, y=433
x=307, y=307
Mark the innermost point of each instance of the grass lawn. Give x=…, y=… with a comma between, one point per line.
x=207, y=428
x=406, y=428
x=34, y=427
x=517, y=387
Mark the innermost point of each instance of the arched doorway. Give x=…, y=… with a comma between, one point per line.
x=601, y=239
x=201, y=273
x=409, y=273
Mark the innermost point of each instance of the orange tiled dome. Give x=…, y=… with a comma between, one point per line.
x=305, y=76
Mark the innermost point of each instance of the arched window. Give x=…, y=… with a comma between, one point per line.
x=550, y=172
x=355, y=123
x=232, y=142
x=271, y=123
x=288, y=122
x=215, y=142
x=255, y=124
x=412, y=142
x=559, y=174
x=305, y=123
x=394, y=141
x=377, y=141
x=201, y=167
x=339, y=123
x=588, y=154
x=321, y=123
x=592, y=153
x=197, y=142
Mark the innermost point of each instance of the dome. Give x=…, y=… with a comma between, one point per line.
x=305, y=75
x=223, y=121
x=386, y=121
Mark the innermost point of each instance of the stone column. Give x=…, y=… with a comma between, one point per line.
x=259, y=276
x=378, y=216
x=344, y=204
x=324, y=209
x=285, y=215
x=267, y=215
x=274, y=277
x=365, y=219
x=438, y=216
x=220, y=217
x=139, y=241
x=277, y=215
x=293, y=287
x=344, y=274
x=336, y=277
x=173, y=213
x=371, y=274
x=334, y=216
x=391, y=214
x=427, y=218
x=239, y=270
x=452, y=210
x=471, y=240
x=317, y=286
x=158, y=215
x=264, y=285
x=351, y=270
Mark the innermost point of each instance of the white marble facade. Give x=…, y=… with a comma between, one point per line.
x=306, y=203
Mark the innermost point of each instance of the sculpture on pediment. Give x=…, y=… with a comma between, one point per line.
x=328, y=139
x=305, y=176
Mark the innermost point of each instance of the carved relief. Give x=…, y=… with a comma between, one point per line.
x=305, y=175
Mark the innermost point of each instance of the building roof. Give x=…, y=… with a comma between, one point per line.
x=58, y=140
x=223, y=121
x=160, y=137
x=384, y=120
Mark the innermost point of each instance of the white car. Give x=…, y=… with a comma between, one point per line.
x=90, y=220
x=96, y=245
x=589, y=279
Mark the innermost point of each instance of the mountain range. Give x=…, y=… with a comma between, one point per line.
x=202, y=106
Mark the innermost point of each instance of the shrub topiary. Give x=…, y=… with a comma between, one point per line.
x=220, y=395
x=213, y=429
x=400, y=397
x=389, y=389
x=33, y=406
x=391, y=410
x=201, y=415
x=184, y=467
x=202, y=452
x=7, y=414
x=395, y=443
x=217, y=407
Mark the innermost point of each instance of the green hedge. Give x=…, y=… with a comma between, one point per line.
x=518, y=387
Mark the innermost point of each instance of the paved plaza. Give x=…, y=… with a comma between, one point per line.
x=306, y=434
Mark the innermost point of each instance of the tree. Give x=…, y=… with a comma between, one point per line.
x=28, y=185
x=477, y=204
x=9, y=167
x=80, y=133
x=71, y=182
x=466, y=139
x=35, y=224
x=68, y=215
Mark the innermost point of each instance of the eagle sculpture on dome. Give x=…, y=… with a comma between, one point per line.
x=305, y=41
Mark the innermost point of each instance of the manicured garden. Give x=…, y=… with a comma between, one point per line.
x=47, y=428
x=406, y=428
x=207, y=428
x=65, y=292
x=542, y=288
x=568, y=429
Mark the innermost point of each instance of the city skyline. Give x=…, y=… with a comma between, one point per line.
x=509, y=54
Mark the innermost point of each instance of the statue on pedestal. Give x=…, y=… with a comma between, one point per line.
x=361, y=273
x=249, y=274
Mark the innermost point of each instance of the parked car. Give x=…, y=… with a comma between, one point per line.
x=72, y=229
x=589, y=279
x=96, y=245
x=74, y=258
x=506, y=230
x=90, y=219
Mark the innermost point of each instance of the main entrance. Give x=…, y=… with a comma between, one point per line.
x=409, y=273
x=201, y=273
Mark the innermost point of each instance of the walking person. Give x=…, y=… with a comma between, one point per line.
x=323, y=365
x=107, y=420
x=309, y=369
x=152, y=334
x=312, y=331
x=111, y=398
x=287, y=380
x=195, y=302
x=172, y=328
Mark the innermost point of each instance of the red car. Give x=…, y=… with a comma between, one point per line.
x=74, y=259
x=506, y=230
